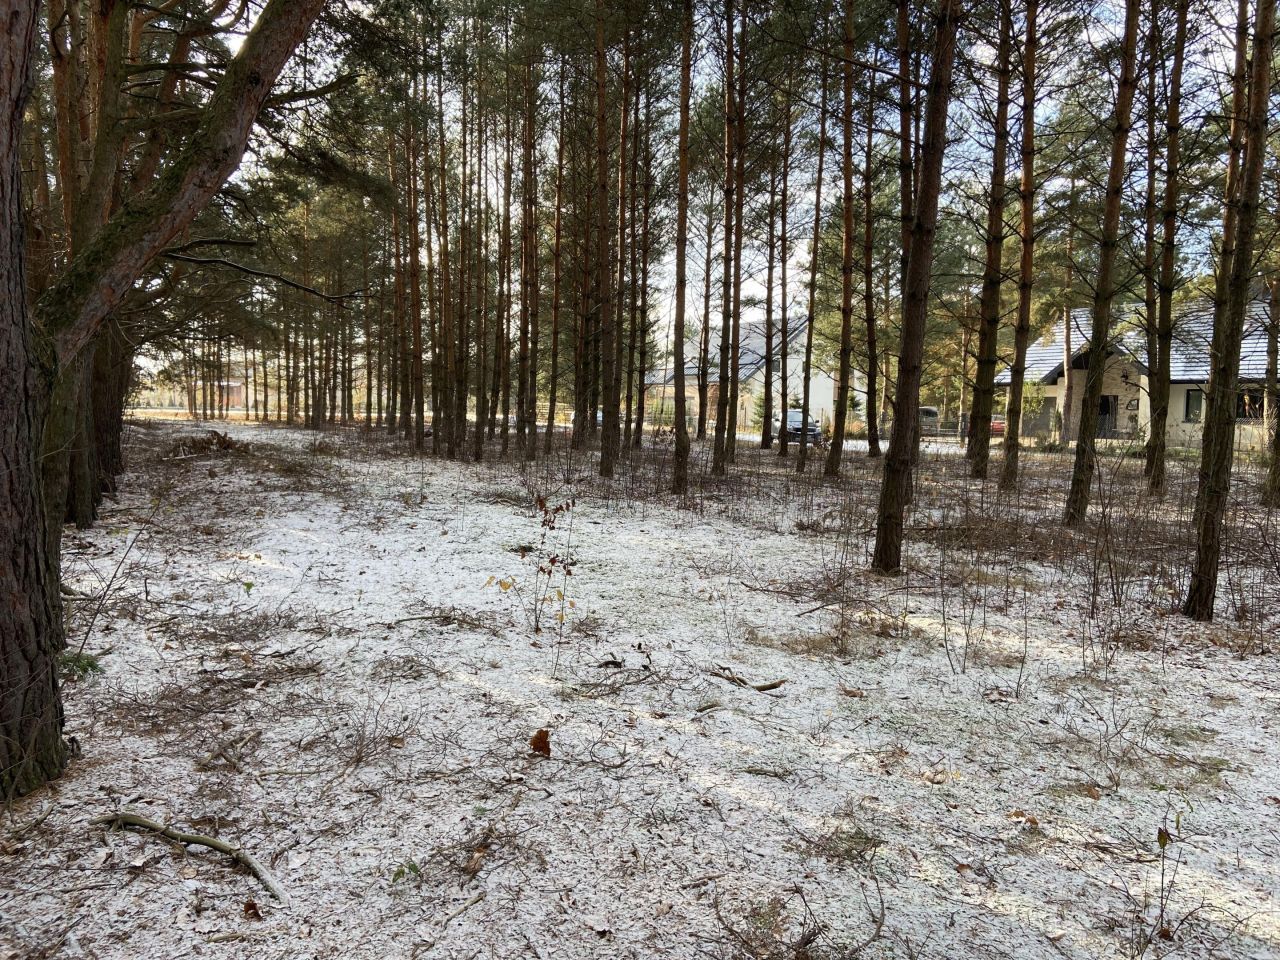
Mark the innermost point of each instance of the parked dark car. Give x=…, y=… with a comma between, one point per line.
x=795, y=427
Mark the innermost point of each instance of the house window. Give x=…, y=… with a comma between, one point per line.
x=1194, y=406
x=1249, y=405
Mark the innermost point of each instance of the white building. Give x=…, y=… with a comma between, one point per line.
x=751, y=378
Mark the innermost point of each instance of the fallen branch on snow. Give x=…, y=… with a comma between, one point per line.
x=133, y=821
x=463, y=909
x=724, y=673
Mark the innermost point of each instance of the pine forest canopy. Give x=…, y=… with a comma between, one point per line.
x=490, y=228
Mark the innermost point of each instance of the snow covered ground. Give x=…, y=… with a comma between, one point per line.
x=344, y=664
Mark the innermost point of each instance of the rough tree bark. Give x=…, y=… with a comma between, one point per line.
x=68, y=317
x=1218, y=444
x=31, y=745
x=895, y=489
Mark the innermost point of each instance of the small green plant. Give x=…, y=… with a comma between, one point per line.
x=76, y=665
x=407, y=871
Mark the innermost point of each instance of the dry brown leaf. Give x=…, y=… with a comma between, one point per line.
x=540, y=742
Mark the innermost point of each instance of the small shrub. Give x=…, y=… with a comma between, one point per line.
x=77, y=665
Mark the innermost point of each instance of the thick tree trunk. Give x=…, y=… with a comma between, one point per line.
x=1105, y=289
x=895, y=490
x=32, y=750
x=68, y=316
x=1217, y=447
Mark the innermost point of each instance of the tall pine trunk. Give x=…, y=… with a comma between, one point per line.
x=608, y=342
x=720, y=453
x=802, y=457
x=868, y=269
x=895, y=489
x=1218, y=444
x=31, y=636
x=1105, y=288
x=1159, y=382
x=979, y=451
x=832, y=466
x=680, y=462
x=1026, y=263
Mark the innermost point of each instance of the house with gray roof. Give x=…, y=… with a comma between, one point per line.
x=1124, y=407
x=752, y=373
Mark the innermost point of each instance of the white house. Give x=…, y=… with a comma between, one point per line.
x=751, y=377
x=1125, y=405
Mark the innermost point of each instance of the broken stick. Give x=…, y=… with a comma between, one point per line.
x=132, y=821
